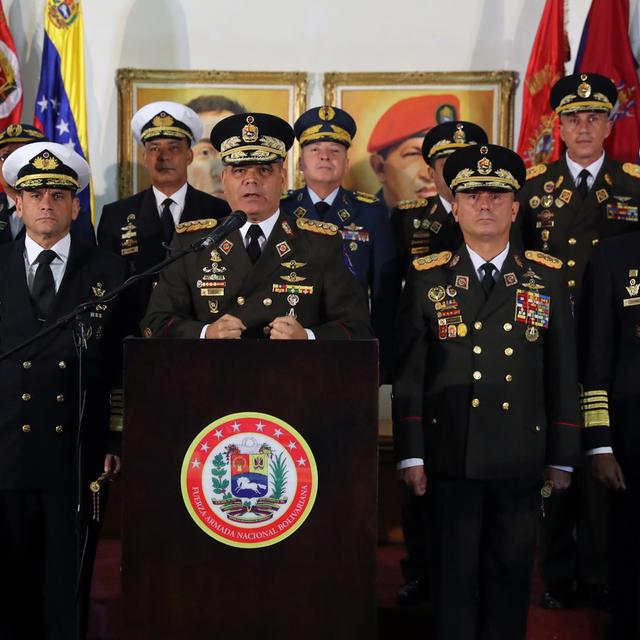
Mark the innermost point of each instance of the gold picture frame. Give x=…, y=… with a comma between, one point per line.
x=282, y=93
x=483, y=97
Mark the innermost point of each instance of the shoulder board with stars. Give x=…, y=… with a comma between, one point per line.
x=544, y=259
x=536, y=170
x=632, y=169
x=431, y=261
x=315, y=226
x=196, y=225
x=363, y=196
x=405, y=205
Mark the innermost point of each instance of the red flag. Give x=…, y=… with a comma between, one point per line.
x=605, y=49
x=539, y=138
x=10, y=81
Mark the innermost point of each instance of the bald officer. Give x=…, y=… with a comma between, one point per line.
x=138, y=228
x=274, y=278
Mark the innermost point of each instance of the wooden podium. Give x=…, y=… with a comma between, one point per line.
x=178, y=582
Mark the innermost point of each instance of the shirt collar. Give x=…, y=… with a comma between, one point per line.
x=33, y=249
x=178, y=197
x=266, y=225
x=575, y=168
x=329, y=199
x=445, y=203
x=478, y=261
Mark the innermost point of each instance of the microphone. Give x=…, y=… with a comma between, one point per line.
x=233, y=222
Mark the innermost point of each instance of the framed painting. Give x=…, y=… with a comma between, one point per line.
x=393, y=112
x=213, y=95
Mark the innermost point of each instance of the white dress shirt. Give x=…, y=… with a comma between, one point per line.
x=177, y=206
x=329, y=199
x=593, y=169
x=58, y=265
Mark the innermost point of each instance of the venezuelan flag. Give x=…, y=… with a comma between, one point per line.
x=60, y=110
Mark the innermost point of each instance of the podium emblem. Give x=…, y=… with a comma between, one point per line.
x=249, y=480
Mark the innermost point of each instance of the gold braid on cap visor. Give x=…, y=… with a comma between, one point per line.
x=447, y=145
x=166, y=132
x=38, y=180
x=314, y=133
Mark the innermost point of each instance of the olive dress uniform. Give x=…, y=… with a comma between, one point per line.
x=363, y=223
x=300, y=271
x=131, y=228
x=609, y=340
x=422, y=227
x=38, y=438
x=486, y=393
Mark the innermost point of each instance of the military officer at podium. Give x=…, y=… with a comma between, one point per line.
x=325, y=135
x=485, y=400
x=275, y=277
x=567, y=206
x=12, y=138
x=139, y=227
x=45, y=502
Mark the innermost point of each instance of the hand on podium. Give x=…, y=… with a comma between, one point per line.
x=228, y=327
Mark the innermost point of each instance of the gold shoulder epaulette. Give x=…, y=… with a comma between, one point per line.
x=404, y=205
x=536, y=170
x=543, y=259
x=363, y=196
x=196, y=225
x=431, y=261
x=632, y=169
x=315, y=226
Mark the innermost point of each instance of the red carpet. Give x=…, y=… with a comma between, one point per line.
x=394, y=622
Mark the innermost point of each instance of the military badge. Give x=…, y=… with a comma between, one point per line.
x=282, y=248
x=559, y=203
x=534, y=202
x=293, y=299
x=532, y=308
x=293, y=264
x=343, y=214
x=287, y=228
x=451, y=291
x=559, y=181
x=293, y=277
x=98, y=290
x=436, y=294
x=301, y=289
x=621, y=211
x=462, y=282
x=462, y=330
x=300, y=212
x=535, y=171
x=213, y=306
x=601, y=195
x=435, y=226
x=129, y=237
x=226, y=246
x=547, y=200
x=565, y=195
x=249, y=480
x=634, y=288
x=633, y=273
x=424, y=224
x=416, y=223
x=608, y=180
x=353, y=246
x=510, y=279
x=215, y=256
x=549, y=186
x=454, y=261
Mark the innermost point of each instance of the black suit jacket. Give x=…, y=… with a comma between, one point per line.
x=131, y=228
x=298, y=270
x=472, y=396
x=39, y=384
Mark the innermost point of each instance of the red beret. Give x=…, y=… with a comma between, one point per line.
x=411, y=117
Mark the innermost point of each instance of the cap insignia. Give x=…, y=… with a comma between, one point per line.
x=249, y=131
x=459, y=136
x=326, y=113
x=163, y=119
x=484, y=165
x=45, y=162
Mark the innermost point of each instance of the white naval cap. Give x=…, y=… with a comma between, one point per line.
x=166, y=120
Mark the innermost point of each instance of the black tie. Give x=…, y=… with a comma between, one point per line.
x=5, y=218
x=253, y=248
x=166, y=220
x=44, y=287
x=583, y=187
x=322, y=207
x=487, y=279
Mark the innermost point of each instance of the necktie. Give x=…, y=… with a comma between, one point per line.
x=5, y=224
x=583, y=187
x=487, y=279
x=253, y=248
x=322, y=207
x=166, y=221
x=43, y=290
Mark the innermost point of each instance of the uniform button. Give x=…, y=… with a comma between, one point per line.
x=26, y=397
x=26, y=364
x=26, y=428
x=477, y=350
x=571, y=263
x=475, y=402
x=595, y=241
x=508, y=377
x=240, y=300
x=266, y=330
x=267, y=302
x=572, y=283
x=508, y=351
x=507, y=326
x=477, y=375
x=59, y=428
x=505, y=406
x=572, y=241
x=477, y=325
x=62, y=364
x=60, y=398
x=434, y=420
x=537, y=427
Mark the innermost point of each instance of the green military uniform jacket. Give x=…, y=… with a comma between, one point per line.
x=301, y=271
x=421, y=227
x=486, y=388
x=556, y=220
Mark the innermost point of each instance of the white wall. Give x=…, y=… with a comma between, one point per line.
x=290, y=35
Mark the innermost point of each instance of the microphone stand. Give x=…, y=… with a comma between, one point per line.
x=80, y=341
